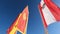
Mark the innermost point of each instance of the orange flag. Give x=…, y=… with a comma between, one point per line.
x=20, y=24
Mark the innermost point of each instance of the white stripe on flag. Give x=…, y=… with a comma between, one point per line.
x=49, y=18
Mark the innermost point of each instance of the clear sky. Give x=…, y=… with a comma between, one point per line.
x=54, y=28
x=9, y=10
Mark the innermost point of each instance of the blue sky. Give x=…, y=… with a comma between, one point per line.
x=57, y=2
x=9, y=10
x=54, y=28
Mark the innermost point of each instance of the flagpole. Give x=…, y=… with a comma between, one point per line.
x=45, y=29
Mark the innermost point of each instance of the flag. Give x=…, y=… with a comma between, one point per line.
x=20, y=24
x=50, y=13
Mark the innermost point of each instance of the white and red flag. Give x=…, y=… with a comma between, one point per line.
x=49, y=12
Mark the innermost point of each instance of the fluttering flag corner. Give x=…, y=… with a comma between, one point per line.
x=20, y=24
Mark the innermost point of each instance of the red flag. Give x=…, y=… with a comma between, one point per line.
x=49, y=11
x=20, y=24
